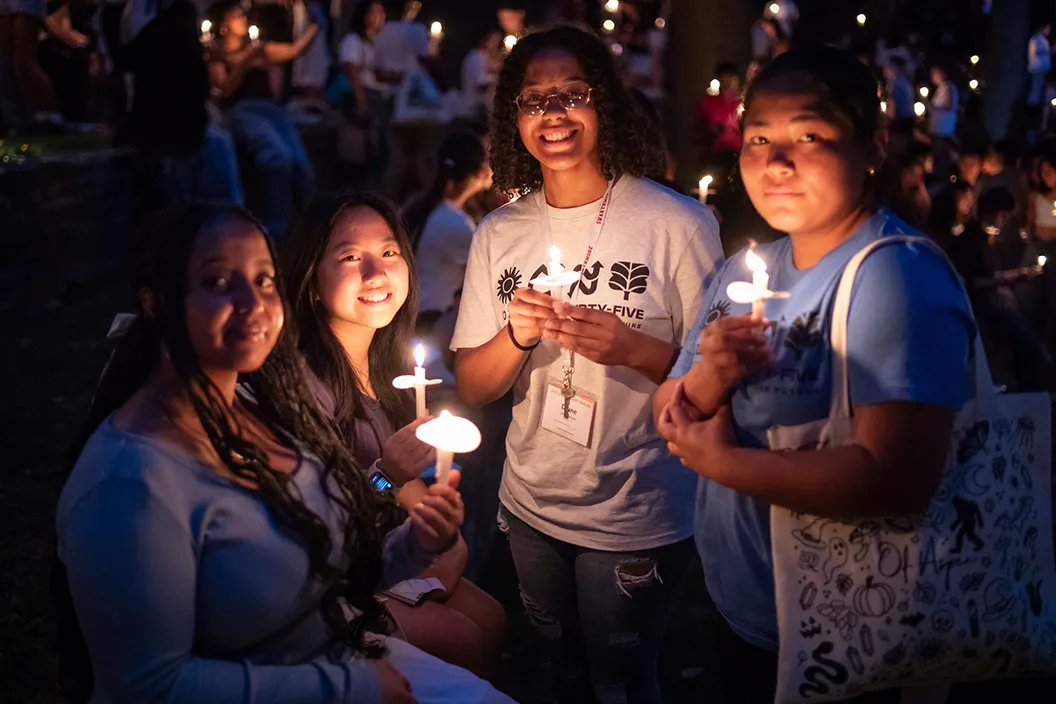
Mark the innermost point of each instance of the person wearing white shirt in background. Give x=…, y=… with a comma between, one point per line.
x=942, y=111
x=312, y=68
x=399, y=46
x=372, y=96
x=480, y=70
x=441, y=230
x=1039, y=61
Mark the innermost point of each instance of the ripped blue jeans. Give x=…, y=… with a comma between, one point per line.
x=599, y=614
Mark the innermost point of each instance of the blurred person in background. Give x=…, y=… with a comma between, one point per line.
x=943, y=106
x=247, y=81
x=480, y=71
x=21, y=22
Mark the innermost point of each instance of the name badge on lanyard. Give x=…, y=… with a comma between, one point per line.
x=567, y=410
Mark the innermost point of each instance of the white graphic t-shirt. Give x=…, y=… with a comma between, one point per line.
x=656, y=256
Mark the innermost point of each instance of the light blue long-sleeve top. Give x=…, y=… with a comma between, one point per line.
x=188, y=591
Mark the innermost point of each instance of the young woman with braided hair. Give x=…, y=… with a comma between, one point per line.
x=219, y=542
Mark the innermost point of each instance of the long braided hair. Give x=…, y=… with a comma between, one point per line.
x=286, y=407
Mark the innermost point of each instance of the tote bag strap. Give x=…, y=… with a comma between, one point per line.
x=840, y=405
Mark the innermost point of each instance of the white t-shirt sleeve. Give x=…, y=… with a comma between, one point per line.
x=352, y=50
x=478, y=320
x=693, y=275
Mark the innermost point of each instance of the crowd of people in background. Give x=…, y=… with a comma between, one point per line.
x=256, y=381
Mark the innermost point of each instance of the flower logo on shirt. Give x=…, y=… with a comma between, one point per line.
x=629, y=277
x=508, y=283
x=717, y=310
x=804, y=333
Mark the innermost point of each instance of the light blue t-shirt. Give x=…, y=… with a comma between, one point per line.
x=909, y=339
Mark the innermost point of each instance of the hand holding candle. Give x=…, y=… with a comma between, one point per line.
x=437, y=518
x=758, y=292
x=449, y=435
x=418, y=382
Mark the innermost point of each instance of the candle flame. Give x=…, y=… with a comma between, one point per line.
x=1042, y=259
x=555, y=255
x=510, y=41
x=254, y=32
x=436, y=28
x=419, y=356
x=445, y=414
x=754, y=261
x=206, y=26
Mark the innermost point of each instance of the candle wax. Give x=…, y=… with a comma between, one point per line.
x=443, y=465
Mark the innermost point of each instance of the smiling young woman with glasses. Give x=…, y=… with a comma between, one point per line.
x=599, y=515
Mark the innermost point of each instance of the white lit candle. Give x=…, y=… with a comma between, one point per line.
x=254, y=33
x=1042, y=259
x=861, y=20
x=509, y=42
x=775, y=9
x=919, y=109
x=418, y=382
x=974, y=59
x=207, y=33
x=714, y=86
x=758, y=292
x=608, y=26
x=449, y=435
x=556, y=276
x=613, y=5
x=924, y=91
x=704, y=185
x=883, y=106
x=436, y=29
x=973, y=84
x=554, y=267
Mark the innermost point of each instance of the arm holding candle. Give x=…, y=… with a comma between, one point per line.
x=730, y=349
x=502, y=361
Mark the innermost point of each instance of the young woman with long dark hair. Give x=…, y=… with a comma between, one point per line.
x=599, y=514
x=222, y=545
x=354, y=296
x=812, y=140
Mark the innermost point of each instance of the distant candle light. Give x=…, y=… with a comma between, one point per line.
x=919, y=109
x=775, y=8
x=883, y=106
x=660, y=23
x=608, y=25
x=613, y=5
x=254, y=33
x=509, y=42
x=206, y=26
x=924, y=91
x=974, y=59
x=436, y=29
x=713, y=87
x=973, y=84
x=861, y=20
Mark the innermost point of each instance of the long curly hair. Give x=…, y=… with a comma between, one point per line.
x=388, y=354
x=627, y=141
x=286, y=406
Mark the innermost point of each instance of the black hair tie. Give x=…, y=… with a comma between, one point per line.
x=518, y=345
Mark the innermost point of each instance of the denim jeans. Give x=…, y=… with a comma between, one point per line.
x=221, y=179
x=264, y=132
x=597, y=612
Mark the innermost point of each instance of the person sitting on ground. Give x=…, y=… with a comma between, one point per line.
x=220, y=544
x=354, y=289
x=1000, y=169
x=247, y=80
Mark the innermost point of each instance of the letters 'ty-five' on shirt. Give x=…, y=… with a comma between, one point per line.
x=909, y=336
x=656, y=254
